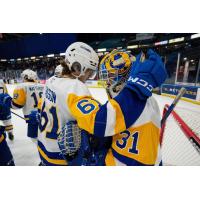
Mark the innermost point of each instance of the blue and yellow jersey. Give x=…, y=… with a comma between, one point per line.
x=134, y=125
x=26, y=96
x=5, y=117
x=2, y=135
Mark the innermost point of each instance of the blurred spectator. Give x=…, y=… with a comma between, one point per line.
x=11, y=70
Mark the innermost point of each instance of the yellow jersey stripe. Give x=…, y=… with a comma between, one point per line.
x=120, y=122
x=8, y=128
x=53, y=161
x=39, y=104
x=2, y=138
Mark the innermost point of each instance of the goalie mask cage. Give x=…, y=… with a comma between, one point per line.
x=180, y=137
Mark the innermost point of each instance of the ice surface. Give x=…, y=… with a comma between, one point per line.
x=25, y=151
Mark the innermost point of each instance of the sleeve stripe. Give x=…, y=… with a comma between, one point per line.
x=130, y=106
x=100, y=122
x=1, y=138
x=120, y=121
x=9, y=128
x=111, y=120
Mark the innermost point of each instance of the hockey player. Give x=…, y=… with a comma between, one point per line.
x=6, y=158
x=85, y=150
x=26, y=96
x=130, y=117
x=68, y=99
x=54, y=111
x=139, y=144
x=7, y=119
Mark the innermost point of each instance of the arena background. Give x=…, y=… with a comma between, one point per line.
x=42, y=52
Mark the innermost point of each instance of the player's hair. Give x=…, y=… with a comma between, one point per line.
x=66, y=70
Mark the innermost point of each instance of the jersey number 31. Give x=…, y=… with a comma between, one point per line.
x=124, y=143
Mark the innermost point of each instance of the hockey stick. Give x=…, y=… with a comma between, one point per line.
x=189, y=133
x=18, y=115
x=167, y=111
x=172, y=106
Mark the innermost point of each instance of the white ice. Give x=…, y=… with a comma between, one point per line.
x=25, y=151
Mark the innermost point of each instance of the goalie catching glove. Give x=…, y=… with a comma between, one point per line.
x=69, y=140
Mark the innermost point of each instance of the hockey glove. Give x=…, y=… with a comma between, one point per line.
x=34, y=118
x=145, y=76
x=69, y=140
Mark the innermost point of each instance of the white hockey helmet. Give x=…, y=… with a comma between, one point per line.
x=83, y=55
x=58, y=71
x=29, y=74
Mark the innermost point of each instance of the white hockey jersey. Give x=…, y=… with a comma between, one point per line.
x=26, y=96
x=55, y=113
